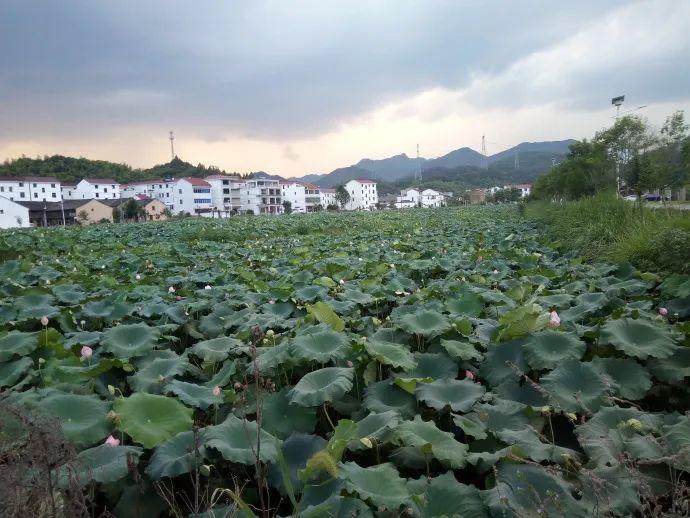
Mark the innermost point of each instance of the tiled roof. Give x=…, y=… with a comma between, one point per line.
x=196, y=182
x=44, y=179
x=326, y=190
x=222, y=177
x=364, y=180
x=56, y=205
x=95, y=181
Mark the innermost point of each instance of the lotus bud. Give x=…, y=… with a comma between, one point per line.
x=86, y=352
x=48, y=282
x=342, y=281
x=137, y=277
x=237, y=385
x=82, y=323
x=663, y=312
x=554, y=320
x=207, y=287
x=366, y=442
x=44, y=321
x=469, y=374
x=171, y=289
x=392, y=265
x=111, y=389
x=216, y=391
x=349, y=363
x=571, y=416
x=205, y=470
x=271, y=301
x=376, y=321
x=112, y=441
x=103, y=267
x=41, y=361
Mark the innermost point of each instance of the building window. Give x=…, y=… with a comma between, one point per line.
x=21, y=194
x=52, y=186
x=54, y=195
x=179, y=191
x=96, y=195
x=43, y=189
x=21, y=184
x=35, y=195
x=105, y=189
x=34, y=185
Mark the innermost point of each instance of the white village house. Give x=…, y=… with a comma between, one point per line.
x=303, y=196
x=12, y=214
x=414, y=198
x=226, y=193
x=91, y=188
x=190, y=196
x=327, y=197
x=363, y=194
x=262, y=196
x=30, y=188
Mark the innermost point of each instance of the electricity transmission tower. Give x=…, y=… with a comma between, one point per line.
x=172, y=147
x=418, y=170
x=485, y=160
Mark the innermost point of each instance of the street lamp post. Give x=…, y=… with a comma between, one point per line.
x=617, y=102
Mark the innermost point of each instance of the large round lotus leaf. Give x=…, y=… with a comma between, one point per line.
x=324, y=313
x=432, y=365
x=82, y=338
x=460, y=395
x=17, y=343
x=297, y=450
x=216, y=349
x=128, y=341
x=502, y=414
x=388, y=353
x=607, y=436
x=35, y=305
x=374, y=427
x=500, y=361
x=381, y=485
x=279, y=309
x=527, y=486
x=585, y=304
x=192, y=394
x=465, y=304
x=104, y=464
x=69, y=293
x=280, y=418
x=547, y=349
x=431, y=440
x=236, y=439
x=627, y=377
x=178, y=455
x=154, y=375
x=575, y=386
x=383, y=396
x=11, y=373
x=461, y=350
x=322, y=385
x=151, y=419
x=674, y=368
x=83, y=418
x=269, y=358
x=107, y=309
x=445, y=496
x=310, y=293
x=320, y=343
x=639, y=338
x=521, y=391
x=425, y=322
x=677, y=439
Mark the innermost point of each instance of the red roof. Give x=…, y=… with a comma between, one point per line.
x=196, y=182
x=44, y=179
x=95, y=181
x=326, y=190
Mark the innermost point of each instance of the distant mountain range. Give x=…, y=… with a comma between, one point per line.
x=463, y=165
x=534, y=158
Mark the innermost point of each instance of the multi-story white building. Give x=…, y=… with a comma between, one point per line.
x=524, y=188
x=408, y=198
x=226, y=192
x=262, y=196
x=189, y=196
x=363, y=195
x=415, y=198
x=303, y=197
x=12, y=214
x=90, y=188
x=30, y=188
x=327, y=197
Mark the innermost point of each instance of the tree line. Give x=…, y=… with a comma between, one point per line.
x=630, y=157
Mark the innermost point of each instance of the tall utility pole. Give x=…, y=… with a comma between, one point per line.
x=172, y=147
x=617, y=101
x=517, y=160
x=485, y=160
x=418, y=171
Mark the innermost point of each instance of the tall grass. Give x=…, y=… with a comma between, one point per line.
x=605, y=228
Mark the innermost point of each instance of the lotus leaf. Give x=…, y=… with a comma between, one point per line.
x=128, y=341
x=236, y=440
x=321, y=385
x=180, y=454
x=638, y=338
x=431, y=440
x=459, y=395
x=547, y=349
x=387, y=353
x=151, y=419
x=320, y=343
x=381, y=485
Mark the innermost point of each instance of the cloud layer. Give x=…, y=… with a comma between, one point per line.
x=299, y=87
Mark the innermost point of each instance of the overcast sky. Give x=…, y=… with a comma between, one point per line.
x=307, y=86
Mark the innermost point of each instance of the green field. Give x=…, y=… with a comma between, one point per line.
x=404, y=363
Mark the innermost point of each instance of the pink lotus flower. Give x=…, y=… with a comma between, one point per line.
x=44, y=321
x=663, y=312
x=86, y=352
x=554, y=320
x=469, y=375
x=216, y=391
x=271, y=302
x=112, y=441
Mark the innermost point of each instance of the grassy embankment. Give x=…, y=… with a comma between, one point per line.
x=605, y=228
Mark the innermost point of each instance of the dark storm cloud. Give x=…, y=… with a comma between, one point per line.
x=260, y=69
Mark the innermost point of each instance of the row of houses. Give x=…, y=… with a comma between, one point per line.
x=213, y=196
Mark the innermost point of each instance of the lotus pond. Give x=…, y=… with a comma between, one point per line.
x=389, y=364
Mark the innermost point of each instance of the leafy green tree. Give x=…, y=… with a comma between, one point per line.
x=342, y=196
x=287, y=207
x=130, y=209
